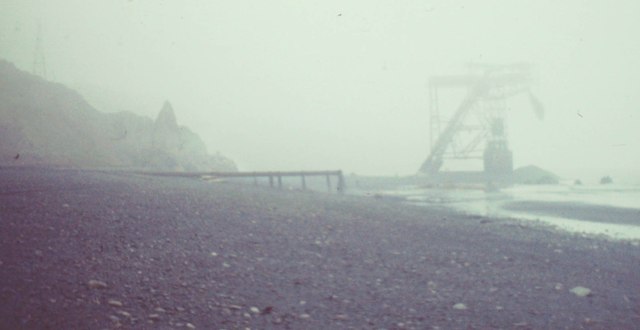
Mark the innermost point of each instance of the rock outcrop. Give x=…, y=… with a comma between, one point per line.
x=534, y=175
x=45, y=123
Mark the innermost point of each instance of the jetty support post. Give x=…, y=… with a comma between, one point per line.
x=304, y=182
x=340, y=182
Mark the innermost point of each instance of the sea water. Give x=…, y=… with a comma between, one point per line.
x=612, y=209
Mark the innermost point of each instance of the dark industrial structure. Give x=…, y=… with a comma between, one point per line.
x=477, y=128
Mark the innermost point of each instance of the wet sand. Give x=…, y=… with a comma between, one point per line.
x=95, y=250
x=579, y=211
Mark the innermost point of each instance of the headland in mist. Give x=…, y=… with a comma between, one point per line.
x=48, y=124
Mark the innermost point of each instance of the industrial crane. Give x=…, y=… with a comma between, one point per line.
x=487, y=89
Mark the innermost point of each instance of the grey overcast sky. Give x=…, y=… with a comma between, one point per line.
x=304, y=84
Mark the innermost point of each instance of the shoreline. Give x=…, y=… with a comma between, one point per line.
x=617, y=222
x=177, y=252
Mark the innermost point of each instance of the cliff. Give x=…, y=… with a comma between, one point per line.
x=45, y=123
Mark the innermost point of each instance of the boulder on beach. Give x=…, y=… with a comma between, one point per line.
x=606, y=180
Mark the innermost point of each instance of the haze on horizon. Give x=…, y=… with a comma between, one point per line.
x=288, y=85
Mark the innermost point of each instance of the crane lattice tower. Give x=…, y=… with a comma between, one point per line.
x=478, y=118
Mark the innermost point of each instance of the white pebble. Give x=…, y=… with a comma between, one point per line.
x=95, y=284
x=124, y=313
x=581, y=291
x=460, y=306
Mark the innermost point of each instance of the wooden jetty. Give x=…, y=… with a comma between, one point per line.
x=275, y=177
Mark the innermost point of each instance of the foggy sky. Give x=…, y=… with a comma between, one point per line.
x=288, y=85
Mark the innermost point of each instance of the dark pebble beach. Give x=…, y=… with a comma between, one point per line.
x=86, y=249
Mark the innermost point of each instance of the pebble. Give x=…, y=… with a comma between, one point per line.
x=190, y=326
x=114, y=302
x=305, y=316
x=267, y=310
x=124, y=313
x=460, y=306
x=255, y=310
x=114, y=318
x=214, y=254
x=341, y=317
x=154, y=317
x=159, y=310
x=95, y=284
x=581, y=291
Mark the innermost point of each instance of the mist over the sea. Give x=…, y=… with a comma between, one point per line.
x=294, y=85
